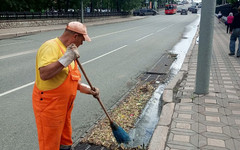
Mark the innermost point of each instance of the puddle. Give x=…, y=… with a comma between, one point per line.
x=145, y=126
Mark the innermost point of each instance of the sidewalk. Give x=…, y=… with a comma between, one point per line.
x=209, y=121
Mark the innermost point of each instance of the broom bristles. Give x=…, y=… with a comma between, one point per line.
x=120, y=135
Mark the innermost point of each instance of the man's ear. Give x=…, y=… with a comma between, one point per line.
x=75, y=35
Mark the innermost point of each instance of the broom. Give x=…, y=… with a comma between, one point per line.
x=120, y=135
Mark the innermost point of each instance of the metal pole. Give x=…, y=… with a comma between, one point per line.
x=82, y=20
x=205, y=46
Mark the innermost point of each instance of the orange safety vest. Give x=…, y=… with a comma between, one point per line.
x=52, y=110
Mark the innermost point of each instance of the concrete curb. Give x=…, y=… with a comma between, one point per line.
x=159, y=138
x=167, y=96
x=169, y=89
x=7, y=35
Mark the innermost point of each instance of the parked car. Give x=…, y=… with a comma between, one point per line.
x=191, y=8
x=180, y=3
x=184, y=12
x=143, y=12
x=179, y=10
x=136, y=12
x=154, y=12
x=194, y=10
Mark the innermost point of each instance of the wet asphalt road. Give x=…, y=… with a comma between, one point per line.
x=118, y=53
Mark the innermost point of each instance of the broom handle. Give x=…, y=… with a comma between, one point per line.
x=100, y=102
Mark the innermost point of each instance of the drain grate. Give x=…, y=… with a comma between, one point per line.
x=85, y=146
x=163, y=65
x=160, y=70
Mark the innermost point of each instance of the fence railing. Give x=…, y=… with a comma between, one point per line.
x=39, y=15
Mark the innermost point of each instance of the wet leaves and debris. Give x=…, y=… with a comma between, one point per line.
x=128, y=111
x=125, y=115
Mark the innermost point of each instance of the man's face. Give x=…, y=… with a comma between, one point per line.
x=78, y=39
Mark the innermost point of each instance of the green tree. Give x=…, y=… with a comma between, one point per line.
x=64, y=5
x=25, y=5
x=13, y=5
x=232, y=1
x=128, y=5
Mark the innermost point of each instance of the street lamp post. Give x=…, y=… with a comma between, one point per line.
x=82, y=20
x=205, y=46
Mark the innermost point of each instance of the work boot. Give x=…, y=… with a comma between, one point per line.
x=65, y=147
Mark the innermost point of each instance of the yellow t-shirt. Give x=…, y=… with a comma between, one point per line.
x=48, y=53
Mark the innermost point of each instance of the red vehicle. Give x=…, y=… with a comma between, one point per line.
x=170, y=9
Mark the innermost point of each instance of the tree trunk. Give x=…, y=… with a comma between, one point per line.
x=59, y=5
x=67, y=6
x=91, y=6
x=118, y=8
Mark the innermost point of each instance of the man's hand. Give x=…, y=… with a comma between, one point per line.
x=70, y=55
x=84, y=88
x=74, y=48
x=95, y=92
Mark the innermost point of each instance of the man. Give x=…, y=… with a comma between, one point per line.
x=56, y=85
x=235, y=34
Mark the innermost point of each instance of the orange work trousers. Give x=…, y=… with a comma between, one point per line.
x=52, y=110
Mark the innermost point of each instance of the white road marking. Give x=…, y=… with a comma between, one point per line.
x=32, y=51
x=112, y=33
x=18, y=88
x=165, y=28
x=15, y=43
x=144, y=37
x=31, y=83
x=152, y=33
x=104, y=55
x=18, y=54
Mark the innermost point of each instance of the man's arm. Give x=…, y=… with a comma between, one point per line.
x=234, y=22
x=49, y=71
x=84, y=88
